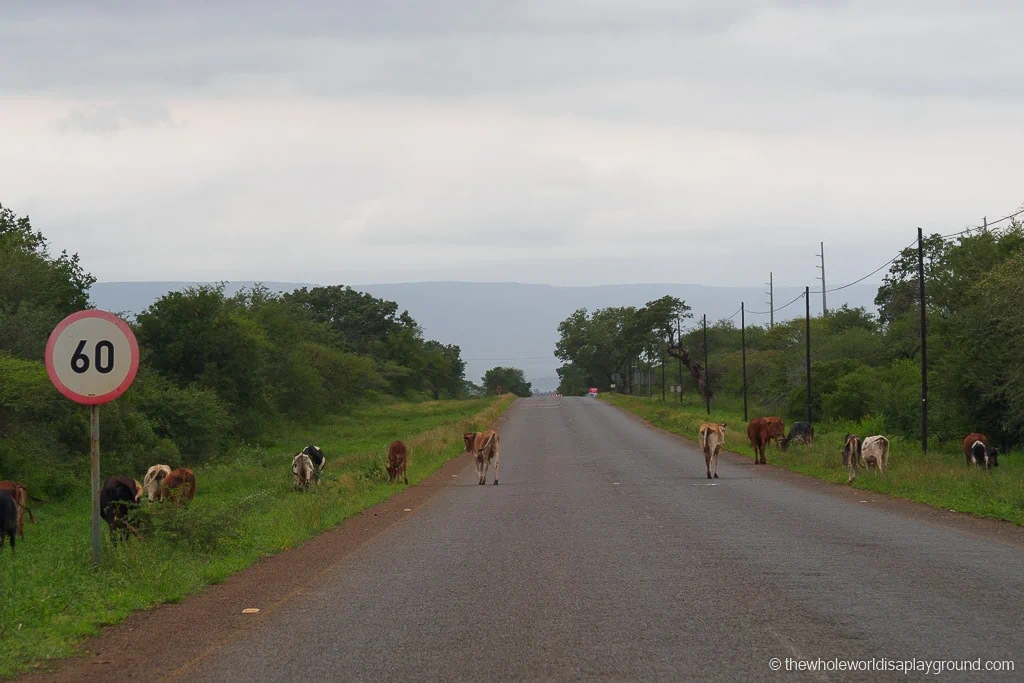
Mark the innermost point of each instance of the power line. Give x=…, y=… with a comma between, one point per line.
x=776, y=310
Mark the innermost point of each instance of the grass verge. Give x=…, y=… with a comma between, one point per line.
x=940, y=479
x=51, y=597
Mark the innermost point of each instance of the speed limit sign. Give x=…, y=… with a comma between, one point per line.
x=92, y=357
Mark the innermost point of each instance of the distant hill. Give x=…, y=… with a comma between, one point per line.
x=499, y=323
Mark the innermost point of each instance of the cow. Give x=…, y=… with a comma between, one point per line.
x=776, y=429
x=302, y=471
x=152, y=481
x=874, y=452
x=712, y=438
x=316, y=456
x=8, y=518
x=759, y=434
x=117, y=497
x=397, y=460
x=851, y=455
x=485, y=446
x=179, y=486
x=19, y=493
x=800, y=432
x=978, y=451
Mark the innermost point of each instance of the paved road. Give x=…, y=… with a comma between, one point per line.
x=606, y=554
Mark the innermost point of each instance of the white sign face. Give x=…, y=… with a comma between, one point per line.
x=92, y=357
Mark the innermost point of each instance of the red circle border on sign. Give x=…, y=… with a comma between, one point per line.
x=132, y=370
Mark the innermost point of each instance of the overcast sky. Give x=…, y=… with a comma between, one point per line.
x=557, y=141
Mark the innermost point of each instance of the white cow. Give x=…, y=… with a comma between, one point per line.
x=302, y=471
x=874, y=452
x=154, y=477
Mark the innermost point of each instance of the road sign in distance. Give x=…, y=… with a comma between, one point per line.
x=92, y=357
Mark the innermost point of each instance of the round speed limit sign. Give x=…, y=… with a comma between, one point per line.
x=92, y=357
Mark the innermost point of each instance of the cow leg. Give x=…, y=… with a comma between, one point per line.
x=480, y=473
x=715, y=459
x=707, y=461
x=497, y=456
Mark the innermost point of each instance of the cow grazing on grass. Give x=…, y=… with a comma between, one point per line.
x=316, y=456
x=117, y=497
x=485, y=446
x=851, y=456
x=978, y=452
x=800, y=432
x=179, y=486
x=874, y=453
x=776, y=429
x=712, y=438
x=19, y=493
x=397, y=460
x=302, y=471
x=152, y=481
x=759, y=434
x=8, y=518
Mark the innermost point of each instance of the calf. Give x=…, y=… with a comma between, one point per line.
x=485, y=446
x=19, y=493
x=978, y=452
x=776, y=429
x=874, y=452
x=153, y=479
x=179, y=486
x=8, y=518
x=117, y=497
x=851, y=456
x=397, y=457
x=302, y=471
x=316, y=456
x=712, y=438
x=800, y=432
x=759, y=433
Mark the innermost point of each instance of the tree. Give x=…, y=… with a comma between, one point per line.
x=510, y=380
x=444, y=370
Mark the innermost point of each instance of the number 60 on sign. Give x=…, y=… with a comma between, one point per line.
x=92, y=357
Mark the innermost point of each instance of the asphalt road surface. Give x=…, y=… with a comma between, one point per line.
x=606, y=554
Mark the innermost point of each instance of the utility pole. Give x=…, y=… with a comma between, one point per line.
x=743, y=342
x=707, y=381
x=771, y=300
x=679, y=335
x=807, y=301
x=924, y=343
x=824, y=305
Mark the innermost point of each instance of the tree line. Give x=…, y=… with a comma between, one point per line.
x=215, y=368
x=864, y=366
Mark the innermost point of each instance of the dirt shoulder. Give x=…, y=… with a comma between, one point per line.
x=154, y=640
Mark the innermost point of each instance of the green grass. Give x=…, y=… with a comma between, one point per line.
x=940, y=479
x=51, y=596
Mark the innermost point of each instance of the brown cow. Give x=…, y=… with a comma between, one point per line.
x=19, y=494
x=759, y=432
x=712, y=438
x=397, y=457
x=776, y=430
x=485, y=447
x=179, y=486
x=978, y=452
x=851, y=456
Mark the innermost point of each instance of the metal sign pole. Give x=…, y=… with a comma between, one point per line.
x=94, y=467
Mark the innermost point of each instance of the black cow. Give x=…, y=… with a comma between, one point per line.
x=117, y=497
x=316, y=456
x=8, y=518
x=800, y=432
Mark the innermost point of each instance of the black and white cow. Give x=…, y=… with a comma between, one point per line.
x=316, y=456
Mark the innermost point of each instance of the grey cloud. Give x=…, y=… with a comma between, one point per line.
x=111, y=118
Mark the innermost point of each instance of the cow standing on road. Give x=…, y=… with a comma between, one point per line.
x=712, y=438
x=759, y=433
x=485, y=447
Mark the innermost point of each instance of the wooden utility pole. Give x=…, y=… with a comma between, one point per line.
x=771, y=300
x=924, y=342
x=824, y=305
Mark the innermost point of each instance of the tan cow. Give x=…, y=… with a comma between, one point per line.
x=152, y=481
x=874, y=453
x=712, y=438
x=851, y=456
x=485, y=447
